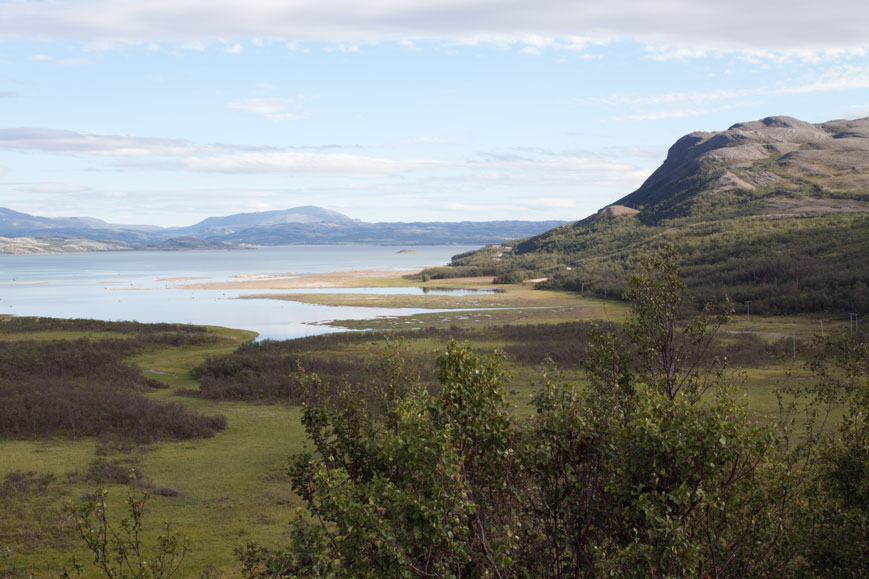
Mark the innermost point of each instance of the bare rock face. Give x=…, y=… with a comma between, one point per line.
x=616, y=211
x=773, y=159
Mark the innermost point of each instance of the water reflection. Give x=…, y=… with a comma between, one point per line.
x=452, y=291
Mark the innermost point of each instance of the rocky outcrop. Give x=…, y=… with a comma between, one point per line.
x=773, y=158
x=616, y=211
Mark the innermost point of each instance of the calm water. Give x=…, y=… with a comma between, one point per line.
x=127, y=286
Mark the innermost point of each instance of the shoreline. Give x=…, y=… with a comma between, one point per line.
x=337, y=279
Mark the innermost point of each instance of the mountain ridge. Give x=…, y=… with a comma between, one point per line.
x=300, y=225
x=776, y=157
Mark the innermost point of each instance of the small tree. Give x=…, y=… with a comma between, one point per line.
x=120, y=552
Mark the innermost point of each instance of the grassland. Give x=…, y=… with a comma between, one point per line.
x=232, y=488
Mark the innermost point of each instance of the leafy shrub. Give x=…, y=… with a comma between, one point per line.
x=637, y=475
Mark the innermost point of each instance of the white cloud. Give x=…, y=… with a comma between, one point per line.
x=857, y=111
x=567, y=164
x=463, y=207
x=665, y=115
x=64, y=142
x=61, y=61
x=813, y=28
x=89, y=143
x=304, y=163
x=272, y=108
x=692, y=104
x=423, y=141
x=532, y=167
x=233, y=48
x=846, y=78
x=554, y=203
x=51, y=188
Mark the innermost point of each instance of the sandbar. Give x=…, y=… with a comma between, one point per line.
x=180, y=278
x=264, y=275
x=338, y=279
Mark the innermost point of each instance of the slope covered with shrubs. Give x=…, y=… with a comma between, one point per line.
x=84, y=387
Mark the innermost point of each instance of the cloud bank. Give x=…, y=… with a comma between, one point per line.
x=183, y=155
x=743, y=25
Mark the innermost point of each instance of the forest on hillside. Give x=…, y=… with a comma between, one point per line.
x=782, y=266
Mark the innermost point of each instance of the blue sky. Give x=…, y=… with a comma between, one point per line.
x=167, y=112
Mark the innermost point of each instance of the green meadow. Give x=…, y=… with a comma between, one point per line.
x=225, y=490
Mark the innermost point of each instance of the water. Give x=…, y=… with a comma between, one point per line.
x=128, y=286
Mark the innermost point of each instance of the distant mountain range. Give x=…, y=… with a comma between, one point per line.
x=773, y=212
x=23, y=233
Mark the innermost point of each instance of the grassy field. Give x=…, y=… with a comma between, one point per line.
x=232, y=488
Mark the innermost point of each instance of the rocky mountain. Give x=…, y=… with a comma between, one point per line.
x=775, y=212
x=792, y=167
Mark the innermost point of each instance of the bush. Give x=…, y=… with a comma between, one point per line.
x=637, y=475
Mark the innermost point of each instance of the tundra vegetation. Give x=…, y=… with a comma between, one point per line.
x=635, y=452
x=783, y=266
x=654, y=468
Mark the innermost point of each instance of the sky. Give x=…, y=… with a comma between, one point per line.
x=166, y=112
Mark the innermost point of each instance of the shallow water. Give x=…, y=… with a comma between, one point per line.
x=127, y=286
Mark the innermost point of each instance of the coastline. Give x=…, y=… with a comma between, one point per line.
x=337, y=279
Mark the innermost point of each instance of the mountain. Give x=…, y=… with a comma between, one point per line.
x=23, y=233
x=775, y=212
x=791, y=167
x=95, y=223
x=386, y=233
x=220, y=226
x=15, y=224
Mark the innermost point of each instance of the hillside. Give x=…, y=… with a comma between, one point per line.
x=774, y=211
x=230, y=224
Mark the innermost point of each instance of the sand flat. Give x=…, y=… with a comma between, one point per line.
x=338, y=279
x=265, y=275
x=181, y=278
x=23, y=283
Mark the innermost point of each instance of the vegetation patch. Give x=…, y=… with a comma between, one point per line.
x=84, y=387
x=782, y=266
